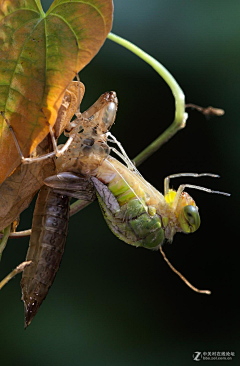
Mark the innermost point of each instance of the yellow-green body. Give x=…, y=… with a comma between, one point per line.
x=134, y=210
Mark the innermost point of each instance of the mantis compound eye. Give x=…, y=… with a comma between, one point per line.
x=189, y=219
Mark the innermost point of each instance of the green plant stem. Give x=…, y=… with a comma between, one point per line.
x=180, y=115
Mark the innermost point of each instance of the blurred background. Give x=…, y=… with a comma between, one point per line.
x=112, y=304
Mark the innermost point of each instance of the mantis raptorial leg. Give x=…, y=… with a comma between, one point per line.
x=57, y=152
x=69, y=126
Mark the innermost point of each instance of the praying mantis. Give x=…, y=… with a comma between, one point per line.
x=134, y=210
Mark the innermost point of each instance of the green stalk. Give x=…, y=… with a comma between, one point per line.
x=180, y=115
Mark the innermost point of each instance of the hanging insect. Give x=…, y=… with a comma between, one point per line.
x=134, y=210
x=51, y=214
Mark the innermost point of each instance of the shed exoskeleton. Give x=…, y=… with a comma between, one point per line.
x=51, y=215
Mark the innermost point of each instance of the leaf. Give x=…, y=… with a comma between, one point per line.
x=40, y=54
x=18, y=190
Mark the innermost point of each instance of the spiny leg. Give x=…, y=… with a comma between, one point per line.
x=26, y=160
x=57, y=152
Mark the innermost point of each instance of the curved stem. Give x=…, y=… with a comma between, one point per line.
x=180, y=115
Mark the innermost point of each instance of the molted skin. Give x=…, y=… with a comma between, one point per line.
x=134, y=210
x=89, y=147
x=46, y=247
x=51, y=215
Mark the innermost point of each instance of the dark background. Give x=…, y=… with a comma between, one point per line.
x=112, y=304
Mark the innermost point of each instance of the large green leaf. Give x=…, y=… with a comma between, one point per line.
x=39, y=56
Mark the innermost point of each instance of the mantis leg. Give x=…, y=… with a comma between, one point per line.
x=57, y=152
x=183, y=186
x=195, y=175
x=123, y=155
